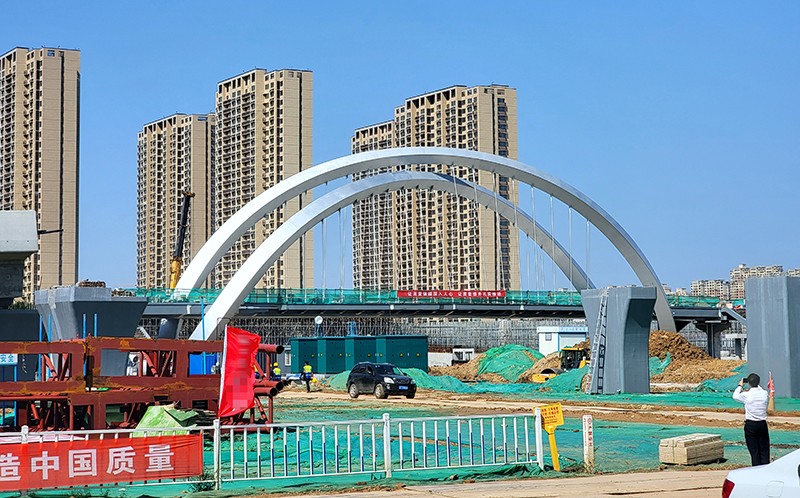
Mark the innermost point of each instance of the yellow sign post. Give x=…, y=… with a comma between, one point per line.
x=552, y=417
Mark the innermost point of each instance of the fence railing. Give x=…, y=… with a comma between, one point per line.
x=365, y=296
x=316, y=449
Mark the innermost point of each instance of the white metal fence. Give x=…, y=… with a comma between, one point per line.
x=311, y=450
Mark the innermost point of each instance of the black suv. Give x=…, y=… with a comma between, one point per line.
x=380, y=379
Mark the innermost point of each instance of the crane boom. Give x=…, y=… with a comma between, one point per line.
x=177, y=254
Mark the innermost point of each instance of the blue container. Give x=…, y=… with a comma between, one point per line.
x=197, y=365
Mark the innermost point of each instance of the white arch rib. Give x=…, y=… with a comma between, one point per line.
x=213, y=250
x=234, y=294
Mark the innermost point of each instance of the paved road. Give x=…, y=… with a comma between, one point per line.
x=666, y=484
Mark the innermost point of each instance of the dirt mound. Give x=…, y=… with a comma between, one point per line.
x=695, y=370
x=663, y=342
x=465, y=371
x=552, y=361
x=583, y=344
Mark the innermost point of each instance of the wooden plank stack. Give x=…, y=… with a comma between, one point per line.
x=691, y=449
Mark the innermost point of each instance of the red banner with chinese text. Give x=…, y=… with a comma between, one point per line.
x=99, y=461
x=238, y=362
x=461, y=294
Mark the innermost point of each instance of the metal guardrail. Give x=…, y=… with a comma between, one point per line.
x=317, y=449
x=384, y=446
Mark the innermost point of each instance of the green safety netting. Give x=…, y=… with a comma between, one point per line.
x=658, y=366
x=164, y=416
x=509, y=361
x=359, y=296
x=724, y=385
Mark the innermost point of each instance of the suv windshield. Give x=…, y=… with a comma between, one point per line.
x=388, y=369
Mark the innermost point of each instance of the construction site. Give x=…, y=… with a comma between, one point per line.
x=272, y=410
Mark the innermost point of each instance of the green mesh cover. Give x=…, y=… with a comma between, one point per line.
x=509, y=361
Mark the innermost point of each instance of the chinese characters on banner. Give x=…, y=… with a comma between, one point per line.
x=99, y=461
x=452, y=293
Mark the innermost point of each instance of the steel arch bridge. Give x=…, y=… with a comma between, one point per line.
x=226, y=305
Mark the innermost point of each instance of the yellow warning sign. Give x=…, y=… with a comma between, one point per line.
x=552, y=415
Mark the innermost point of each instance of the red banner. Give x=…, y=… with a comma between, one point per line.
x=238, y=363
x=99, y=461
x=483, y=294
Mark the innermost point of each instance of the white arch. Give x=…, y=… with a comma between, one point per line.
x=234, y=294
x=213, y=250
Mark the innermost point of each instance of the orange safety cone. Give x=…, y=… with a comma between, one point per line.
x=771, y=402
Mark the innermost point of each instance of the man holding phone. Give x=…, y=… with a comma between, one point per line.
x=756, y=432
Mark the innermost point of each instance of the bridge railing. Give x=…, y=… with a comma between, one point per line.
x=306, y=297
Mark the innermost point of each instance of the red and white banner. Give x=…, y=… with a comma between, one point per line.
x=238, y=363
x=99, y=461
x=484, y=294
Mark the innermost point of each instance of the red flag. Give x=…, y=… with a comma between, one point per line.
x=771, y=385
x=236, y=383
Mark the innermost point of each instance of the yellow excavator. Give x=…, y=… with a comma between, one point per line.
x=570, y=358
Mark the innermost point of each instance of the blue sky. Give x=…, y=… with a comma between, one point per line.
x=681, y=119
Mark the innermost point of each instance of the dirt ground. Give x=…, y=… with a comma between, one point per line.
x=671, y=484
x=475, y=404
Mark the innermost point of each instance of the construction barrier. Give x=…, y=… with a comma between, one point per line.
x=382, y=447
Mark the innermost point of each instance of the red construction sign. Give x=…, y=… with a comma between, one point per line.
x=99, y=461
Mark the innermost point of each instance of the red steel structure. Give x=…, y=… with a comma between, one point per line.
x=70, y=392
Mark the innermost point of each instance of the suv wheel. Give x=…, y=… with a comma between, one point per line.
x=352, y=391
x=411, y=395
x=380, y=392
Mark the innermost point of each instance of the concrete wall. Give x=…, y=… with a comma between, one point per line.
x=630, y=311
x=773, y=332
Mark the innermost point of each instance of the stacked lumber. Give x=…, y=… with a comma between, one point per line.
x=691, y=449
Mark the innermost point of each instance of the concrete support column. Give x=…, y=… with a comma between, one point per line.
x=628, y=317
x=773, y=332
x=75, y=312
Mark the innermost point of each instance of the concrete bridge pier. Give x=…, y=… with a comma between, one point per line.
x=714, y=330
x=773, y=332
x=70, y=312
x=629, y=312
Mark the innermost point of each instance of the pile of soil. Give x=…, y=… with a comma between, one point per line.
x=663, y=342
x=690, y=364
x=552, y=361
x=467, y=372
x=694, y=371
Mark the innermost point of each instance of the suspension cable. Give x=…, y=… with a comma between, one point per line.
x=570, y=247
x=535, y=243
x=553, y=240
x=587, y=253
x=498, y=245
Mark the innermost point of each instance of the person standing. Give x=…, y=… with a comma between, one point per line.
x=307, y=376
x=756, y=432
x=276, y=371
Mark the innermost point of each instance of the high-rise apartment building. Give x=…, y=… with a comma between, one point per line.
x=175, y=157
x=39, y=155
x=743, y=272
x=263, y=136
x=715, y=288
x=414, y=239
